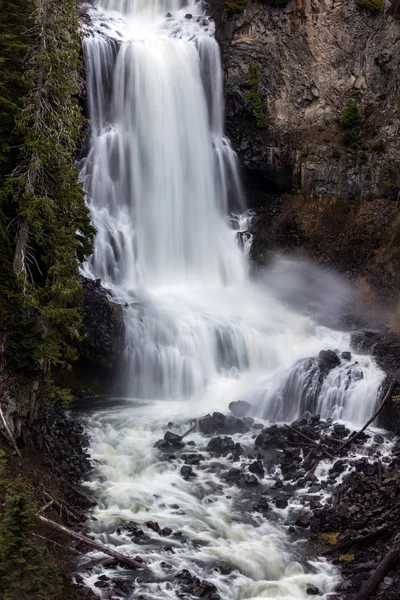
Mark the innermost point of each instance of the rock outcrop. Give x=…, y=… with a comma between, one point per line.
x=101, y=349
x=298, y=65
x=312, y=56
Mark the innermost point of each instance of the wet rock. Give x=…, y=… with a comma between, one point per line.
x=250, y=479
x=166, y=531
x=313, y=591
x=234, y=474
x=235, y=425
x=257, y=468
x=346, y=355
x=154, y=526
x=303, y=521
x=208, y=424
x=340, y=429
x=328, y=359
x=249, y=421
x=188, y=16
x=292, y=454
x=240, y=408
x=281, y=503
x=224, y=445
x=173, y=439
x=193, y=459
x=187, y=471
x=262, y=505
x=270, y=437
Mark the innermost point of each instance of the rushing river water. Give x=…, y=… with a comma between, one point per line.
x=163, y=188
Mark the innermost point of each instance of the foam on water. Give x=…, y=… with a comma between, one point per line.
x=161, y=181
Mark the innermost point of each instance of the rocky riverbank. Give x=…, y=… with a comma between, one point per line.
x=338, y=499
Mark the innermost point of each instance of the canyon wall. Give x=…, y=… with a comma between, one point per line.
x=291, y=74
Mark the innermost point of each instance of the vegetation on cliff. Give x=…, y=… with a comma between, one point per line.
x=373, y=5
x=44, y=224
x=351, y=123
x=254, y=96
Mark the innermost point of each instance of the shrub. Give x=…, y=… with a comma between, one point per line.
x=235, y=5
x=351, y=122
x=379, y=147
x=254, y=96
x=373, y=5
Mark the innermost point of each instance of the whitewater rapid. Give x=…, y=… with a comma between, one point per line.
x=165, y=196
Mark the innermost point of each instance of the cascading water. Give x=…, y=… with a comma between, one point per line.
x=161, y=180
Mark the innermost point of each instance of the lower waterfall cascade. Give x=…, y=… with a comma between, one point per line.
x=165, y=195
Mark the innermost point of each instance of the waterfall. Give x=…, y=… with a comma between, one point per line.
x=164, y=191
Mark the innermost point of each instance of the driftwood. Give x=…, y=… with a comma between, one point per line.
x=386, y=565
x=192, y=428
x=10, y=435
x=376, y=413
x=45, y=507
x=313, y=442
x=122, y=558
x=362, y=539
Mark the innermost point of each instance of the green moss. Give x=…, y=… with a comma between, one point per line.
x=254, y=96
x=372, y=5
x=235, y=6
x=336, y=154
x=26, y=572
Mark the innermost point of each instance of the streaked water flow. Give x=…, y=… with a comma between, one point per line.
x=162, y=180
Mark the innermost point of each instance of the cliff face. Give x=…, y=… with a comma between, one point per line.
x=313, y=55
x=300, y=65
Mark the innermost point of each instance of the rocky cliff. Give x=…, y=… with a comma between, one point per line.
x=312, y=93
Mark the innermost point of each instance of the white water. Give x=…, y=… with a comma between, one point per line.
x=161, y=180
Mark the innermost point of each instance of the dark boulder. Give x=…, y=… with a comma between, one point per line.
x=187, y=471
x=173, y=438
x=257, y=468
x=240, y=408
x=224, y=445
x=328, y=359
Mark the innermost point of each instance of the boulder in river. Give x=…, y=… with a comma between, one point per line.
x=328, y=359
x=240, y=408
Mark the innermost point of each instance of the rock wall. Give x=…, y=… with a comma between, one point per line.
x=313, y=55
x=103, y=344
x=314, y=194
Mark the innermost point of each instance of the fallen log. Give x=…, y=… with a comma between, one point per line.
x=313, y=442
x=376, y=414
x=192, y=428
x=386, y=565
x=122, y=558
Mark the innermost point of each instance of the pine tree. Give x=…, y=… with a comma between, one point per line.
x=48, y=225
x=26, y=572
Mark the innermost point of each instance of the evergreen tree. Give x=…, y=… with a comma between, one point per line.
x=15, y=36
x=26, y=572
x=46, y=225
